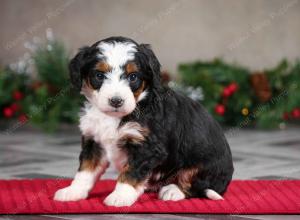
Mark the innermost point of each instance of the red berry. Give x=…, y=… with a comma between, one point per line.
x=226, y=92
x=15, y=107
x=233, y=87
x=22, y=118
x=17, y=95
x=296, y=113
x=8, y=112
x=220, y=109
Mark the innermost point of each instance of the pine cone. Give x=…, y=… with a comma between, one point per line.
x=261, y=86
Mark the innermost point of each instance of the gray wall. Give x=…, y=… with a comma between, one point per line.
x=254, y=33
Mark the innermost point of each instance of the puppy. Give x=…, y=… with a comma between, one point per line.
x=156, y=138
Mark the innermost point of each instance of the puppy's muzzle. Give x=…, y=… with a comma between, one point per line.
x=116, y=101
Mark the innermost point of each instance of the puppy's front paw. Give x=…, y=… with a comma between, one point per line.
x=123, y=195
x=70, y=194
x=118, y=200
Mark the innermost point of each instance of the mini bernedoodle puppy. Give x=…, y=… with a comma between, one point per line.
x=156, y=138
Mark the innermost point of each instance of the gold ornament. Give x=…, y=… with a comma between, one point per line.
x=245, y=111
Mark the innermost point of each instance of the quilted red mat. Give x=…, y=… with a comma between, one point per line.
x=242, y=197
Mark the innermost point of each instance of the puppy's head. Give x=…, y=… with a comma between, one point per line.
x=115, y=74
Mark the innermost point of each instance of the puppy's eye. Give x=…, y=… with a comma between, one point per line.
x=132, y=78
x=100, y=75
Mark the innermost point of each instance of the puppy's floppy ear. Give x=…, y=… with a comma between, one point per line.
x=75, y=66
x=153, y=63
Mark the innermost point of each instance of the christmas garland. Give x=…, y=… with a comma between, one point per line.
x=36, y=89
x=237, y=97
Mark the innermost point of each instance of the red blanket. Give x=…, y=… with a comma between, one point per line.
x=242, y=197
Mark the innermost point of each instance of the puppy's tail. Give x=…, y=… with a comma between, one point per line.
x=202, y=189
x=213, y=195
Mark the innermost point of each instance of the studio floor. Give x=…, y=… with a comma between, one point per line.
x=257, y=154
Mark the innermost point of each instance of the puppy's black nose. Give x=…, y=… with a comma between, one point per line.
x=116, y=101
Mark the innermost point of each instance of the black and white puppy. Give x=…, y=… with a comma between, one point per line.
x=156, y=138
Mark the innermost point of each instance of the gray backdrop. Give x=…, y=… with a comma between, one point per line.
x=254, y=33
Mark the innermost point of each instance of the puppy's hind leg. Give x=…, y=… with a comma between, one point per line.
x=188, y=184
x=180, y=188
x=92, y=165
x=171, y=192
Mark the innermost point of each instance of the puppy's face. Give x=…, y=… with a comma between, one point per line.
x=115, y=74
x=115, y=82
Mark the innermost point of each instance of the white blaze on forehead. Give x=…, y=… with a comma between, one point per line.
x=117, y=54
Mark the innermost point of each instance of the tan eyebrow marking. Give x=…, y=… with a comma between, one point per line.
x=140, y=90
x=103, y=67
x=131, y=67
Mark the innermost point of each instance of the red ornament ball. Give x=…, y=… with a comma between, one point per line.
x=230, y=89
x=226, y=92
x=220, y=109
x=8, y=112
x=17, y=95
x=23, y=118
x=296, y=113
x=233, y=87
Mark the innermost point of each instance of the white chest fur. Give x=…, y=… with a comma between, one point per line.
x=104, y=130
